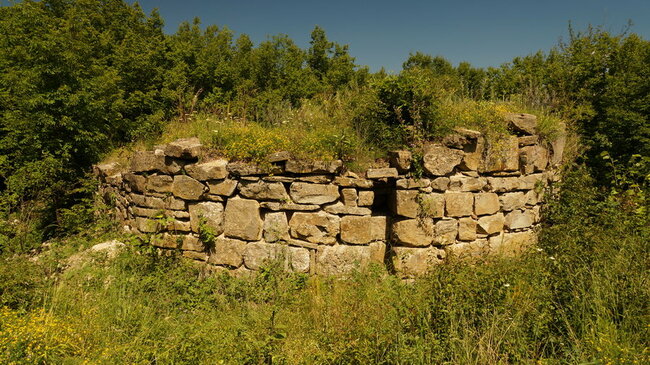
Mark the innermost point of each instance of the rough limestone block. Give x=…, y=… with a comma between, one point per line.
x=317, y=227
x=166, y=240
x=276, y=227
x=313, y=167
x=503, y=184
x=147, y=212
x=405, y=203
x=264, y=191
x=446, y=231
x=412, y=183
x=341, y=260
x=432, y=205
x=305, y=193
x=530, y=182
x=459, y=204
x=349, y=197
x=210, y=213
x=533, y=159
x=520, y=219
x=491, y=224
x=185, y=148
x=557, y=145
x=146, y=225
x=187, y=188
x=363, y=230
x=412, y=262
x=178, y=225
x=339, y=208
x=388, y=172
x=440, y=184
x=146, y=161
x=533, y=197
x=401, y=160
x=468, y=250
x=258, y=254
x=440, y=160
x=222, y=187
x=503, y=156
x=512, y=244
x=276, y=206
x=107, y=169
x=211, y=170
x=243, y=220
x=522, y=123
x=366, y=198
x=466, y=229
x=172, y=203
x=227, y=252
x=192, y=243
x=240, y=168
x=413, y=232
x=160, y=183
x=280, y=156
x=353, y=182
x=135, y=182
x=466, y=183
x=473, y=156
x=486, y=203
x=512, y=201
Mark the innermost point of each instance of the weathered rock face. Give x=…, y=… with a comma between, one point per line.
x=318, y=227
x=470, y=199
x=522, y=123
x=305, y=193
x=440, y=160
x=243, y=220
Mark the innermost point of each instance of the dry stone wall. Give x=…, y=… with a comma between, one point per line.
x=472, y=198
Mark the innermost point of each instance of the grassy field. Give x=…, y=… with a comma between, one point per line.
x=581, y=296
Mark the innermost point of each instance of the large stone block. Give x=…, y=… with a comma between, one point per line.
x=413, y=232
x=440, y=160
x=227, y=252
x=208, y=213
x=339, y=208
x=388, y=172
x=146, y=161
x=363, y=230
x=446, y=231
x=276, y=227
x=466, y=183
x=440, y=184
x=353, y=182
x=412, y=262
x=503, y=184
x=533, y=159
x=258, y=254
x=512, y=201
x=473, y=155
x=491, y=224
x=313, y=167
x=473, y=250
x=243, y=220
x=534, y=181
x=412, y=183
x=341, y=260
x=512, y=244
x=432, y=205
x=401, y=160
x=222, y=187
x=135, y=182
x=520, y=219
x=502, y=156
x=486, y=203
x=317, y=227
x=466, y=229
x=277, y=206
x=459, y=204
x=261, y=190
x=305, y=193
x=211, y=170
x=349, y=197
x=160, y=183
x=366, y=198
x=522, y=123
x=187, y=188
x=185, y=148
x=405, y=203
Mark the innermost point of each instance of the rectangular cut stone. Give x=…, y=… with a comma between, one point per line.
x=388, y=172
x=353, y=182
x=343, y=260
x=486, y=203
x=349, y=197
x=520, y=219
x=160, y=183
x=466, y=229
x=366, y=198
x=459, y=204
x=432, y=205
x=317, y=227
x=185, y=148
x=187, y=188
x=466, y=183
x=276, y=206
x=413, y=183
x=405, y=203
x=413, y=262
x=192, y=243
x=222, y=187
x=339, y=208
x=533, y=181
x=315, y=179
x=446, y=231
x=491, y=224
x=503, y=184
x=305, y=193
x=502, y=156
x=243, y=220
x=228, y=252
x=276, y=227
x=206, y=215
x=413, y=232
x=261, y=190
x=211, y=170
x=440, y=183
x=362, y=230
x=512, y=201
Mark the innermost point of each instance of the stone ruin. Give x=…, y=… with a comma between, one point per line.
x=471, y=199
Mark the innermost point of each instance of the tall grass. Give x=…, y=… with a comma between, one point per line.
x=580, y=296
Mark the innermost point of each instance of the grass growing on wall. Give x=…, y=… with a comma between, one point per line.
x=581, y=296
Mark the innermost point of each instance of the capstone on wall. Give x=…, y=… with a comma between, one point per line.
x=472, y=199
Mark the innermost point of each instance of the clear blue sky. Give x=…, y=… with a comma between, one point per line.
x=382, y=33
